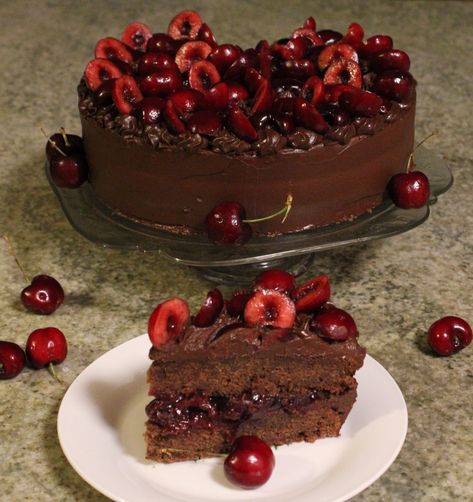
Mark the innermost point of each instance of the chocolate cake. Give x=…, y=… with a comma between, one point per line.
x=175, y=124
x=279, y=367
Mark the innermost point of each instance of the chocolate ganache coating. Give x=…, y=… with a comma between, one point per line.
x=150, y=175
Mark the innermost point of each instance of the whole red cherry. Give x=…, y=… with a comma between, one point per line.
x=448, y=335
x=12, y=360
x=45, y=347
x=250, y=462
x=225, y=224
x=409, y=190
x=43, y=296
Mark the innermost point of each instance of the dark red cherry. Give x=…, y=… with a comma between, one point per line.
x=263, y=99
x=126, y=94
x=393, y=84
x=237, y=92
x=299, y=70
x=69, y=172
x=279, y=280
x=334, y=324
x=191, y=52
x=391, y=59
x=210, y=310
x=98, y=71
x=217, y=98
x=46, y=346
x=74, y=145
x=173, y=119
x=307, y=116
x=240, y=124
x=246, y=59
x=185, y=25
x=206, y=35
x=167, y=320
x=161, y=42
x=111, y=48
x=374, y=45
x=354, y=36
x=329, y=36
x=360, y=103
x=409, y=190
x=224, y=224
x=160, y=84
x=103, y=96
x=149, y=110
x=186, y=101
x=312, y=294
x=152, y=62
x=236, y=305
x=12, y=360
x=203, y=76
x=343, y=71
x=250, y=462
x=449, y=335
x=336, y=51
x=43, y=296
x=136, y=36
x=223, y=56
x=313, y=90
x=204, y=122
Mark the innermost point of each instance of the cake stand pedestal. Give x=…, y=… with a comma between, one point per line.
x=237, y=265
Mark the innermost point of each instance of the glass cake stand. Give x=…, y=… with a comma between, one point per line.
x=292, y=252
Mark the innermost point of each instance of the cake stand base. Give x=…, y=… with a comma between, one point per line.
x=243, y=275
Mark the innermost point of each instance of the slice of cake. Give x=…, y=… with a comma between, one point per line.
x=274, y=363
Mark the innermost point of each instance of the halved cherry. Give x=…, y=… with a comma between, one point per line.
x=151, y=62
x=172, y=119
x=111, y=48
x=186, y=101
x=203, y=75
x=210, y=310
x=333, y=92
x=167, y=320
x=224, y=56
x=294, y=48
x=136, y=36
x=190, y=52
x=307, y=116
x=126, y=94
x=240, y=124
x=312, y=294
x=344, y=71
x=336, y=51
x=186, y=24
x=310, y=23
x=263, y=98
x=330, y=36
x=313, y=90
x=360, y=103
x=283, y=105
x=161, y=84
x=277, y=280
x=354, y=36
x=204, y=122
x=99, y=71
x=217, y=98
x=270, y=308
x=308, y=34
x=206, y=35
x=246, y=59
x=374, y=45
x=252, y=79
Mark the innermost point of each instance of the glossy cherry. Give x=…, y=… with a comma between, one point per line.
x=224, y=224
x=167, y=320
x=149, y=110
x=69, y=172
x=43, y=296
x=278, y=280
x=152, y=62
x=250, y=462
x=46, y=346
x=12, y=360
x=111, y=48
x=312, y=294
x=360, y=103
x=185, y=24
x=126, y=94
x=449, y=335
x=210, y=310
x=236, y=305
x=190, y=52
x=223, y=56
x=409, y=190
x=160, y=84
x=98, y=71
x=270, y=308
x=334, y=324
x=68, y=144
x=136, y=36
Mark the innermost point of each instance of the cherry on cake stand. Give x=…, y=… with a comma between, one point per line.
x=238, y=265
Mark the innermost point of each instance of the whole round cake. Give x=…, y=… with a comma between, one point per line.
x=175, y=124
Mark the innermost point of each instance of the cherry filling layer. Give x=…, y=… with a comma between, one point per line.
x=175, y=413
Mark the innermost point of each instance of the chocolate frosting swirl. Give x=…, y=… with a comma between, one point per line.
x=269, y=142
x=342, y=134
x=226, y=142
x=304, y=139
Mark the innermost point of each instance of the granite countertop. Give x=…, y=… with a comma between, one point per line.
x=394, y=288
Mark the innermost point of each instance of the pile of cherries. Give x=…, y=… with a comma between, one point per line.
x=45, y=347
x=186, y=80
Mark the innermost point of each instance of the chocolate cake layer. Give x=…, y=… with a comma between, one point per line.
x=344, y=175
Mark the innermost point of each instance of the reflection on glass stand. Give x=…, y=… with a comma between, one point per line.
x=292, y=252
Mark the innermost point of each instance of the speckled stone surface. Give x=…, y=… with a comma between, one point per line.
x=394, y=288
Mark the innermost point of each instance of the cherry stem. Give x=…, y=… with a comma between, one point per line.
x=285, y=210
x=53, y=372
x=425, y=139
x=64, y=135
x=53, y=143
x=11, y=250
x=182, y=450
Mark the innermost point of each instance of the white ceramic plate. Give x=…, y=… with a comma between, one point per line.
x=101, y=424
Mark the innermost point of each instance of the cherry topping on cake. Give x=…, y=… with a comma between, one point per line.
x=312, y=294
x=46, y=347
x=160, y=84
x=360, y=103
x=103, y=96
x=246, y=59
x=333, y=92
x=334, y=52
x=311, y=38
x=354, y=36
x=203, y=75
x=217, y=98
x=186, y=24
x=206, y=35
x=126, y=94
x=99, y=71
x=449, y=335
x=152, y=62
x=236, y=305
x=224, y=224
x=307, y=116
x=167, y=320
x=329, y=37
x=374, y=45
x=240, y=124
x=334, y=324
x=186, y=101
x=344, y=71
x=161, y=42
x=223, y=56
x=111, y=48
x=237, y=92
x=204, y=122
x=390, y=60
x=190, y=52
x=278, y=280
x=299, y=70
x=263, y=99
x=313, y=90
x=210, y=310
x=69, y=171
x=409, y=190
x=173, y=119
x=393, y=84
x=136, y=36
x=12, y=360
x=270, y=308
x=43, y=296
x=294, y=48
x=310, y=23
x=250, y=462
x=149, y=110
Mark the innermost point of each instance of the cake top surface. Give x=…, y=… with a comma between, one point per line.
x=274, y=315
x=185, y=90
